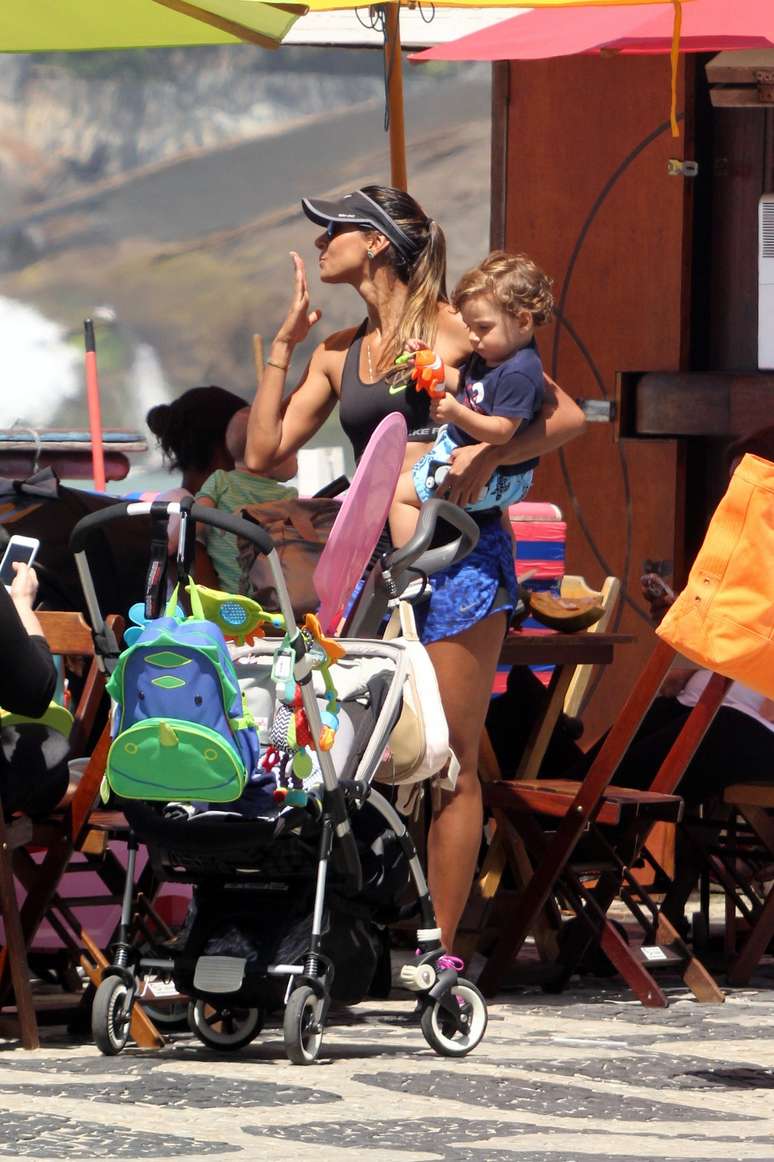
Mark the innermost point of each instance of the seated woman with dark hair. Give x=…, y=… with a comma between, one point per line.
x=33, y=759
x=740, y=741
x=191, y=431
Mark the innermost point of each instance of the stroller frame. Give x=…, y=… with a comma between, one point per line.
x=453, y=1013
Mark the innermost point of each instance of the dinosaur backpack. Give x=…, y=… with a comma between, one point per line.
x=180, y=731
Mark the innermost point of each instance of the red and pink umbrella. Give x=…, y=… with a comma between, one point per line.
x=705, y=26
x=708, y=26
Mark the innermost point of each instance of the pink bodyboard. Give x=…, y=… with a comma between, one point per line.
x=363, y=514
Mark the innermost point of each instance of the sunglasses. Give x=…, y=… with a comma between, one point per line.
x=333, y=228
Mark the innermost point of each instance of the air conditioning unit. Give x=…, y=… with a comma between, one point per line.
x=766, y=282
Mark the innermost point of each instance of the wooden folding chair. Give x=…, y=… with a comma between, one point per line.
x=737, y=847
x=567, y=689
x=552, y=817
x=67, y=634
x=56, y=838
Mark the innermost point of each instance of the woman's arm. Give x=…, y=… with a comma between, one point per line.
x=559, y=421
x=275, y=429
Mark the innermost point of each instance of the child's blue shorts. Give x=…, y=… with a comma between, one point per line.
x=502, y=489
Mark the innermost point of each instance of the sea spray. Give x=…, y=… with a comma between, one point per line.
x=40, y=367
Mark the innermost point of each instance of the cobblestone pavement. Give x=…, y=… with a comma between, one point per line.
x=587, y=1075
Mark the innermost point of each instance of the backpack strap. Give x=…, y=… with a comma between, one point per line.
x=186, y=543
x=155, y=578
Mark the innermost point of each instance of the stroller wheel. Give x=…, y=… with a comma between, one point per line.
x=224, y=1027
x=441, y=1030
x=111, y=1015
x=302, y=1026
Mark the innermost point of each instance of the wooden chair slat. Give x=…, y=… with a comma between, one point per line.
x=66, y=633
x=749, y=795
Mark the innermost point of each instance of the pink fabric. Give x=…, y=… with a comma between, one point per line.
x=358, y=525
x=707, y=26
x=534, y=510
x=540, y=530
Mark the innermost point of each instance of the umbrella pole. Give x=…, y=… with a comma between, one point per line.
x=394, y=69
x=92, y=401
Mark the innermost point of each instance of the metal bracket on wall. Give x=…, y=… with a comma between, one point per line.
x=682, y=169
x=764, y=79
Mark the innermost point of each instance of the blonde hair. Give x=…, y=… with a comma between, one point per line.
x=423, y=269
x=512, y=280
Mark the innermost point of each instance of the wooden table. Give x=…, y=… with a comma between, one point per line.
x=564, y=651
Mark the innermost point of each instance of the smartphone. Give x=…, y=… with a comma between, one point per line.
x=23, y=549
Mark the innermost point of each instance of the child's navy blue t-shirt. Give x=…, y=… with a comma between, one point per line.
x=514, y=389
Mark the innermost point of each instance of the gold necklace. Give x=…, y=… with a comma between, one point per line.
x=370, y=364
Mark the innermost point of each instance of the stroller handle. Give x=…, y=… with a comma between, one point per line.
x=417, y=552
x=228, y=522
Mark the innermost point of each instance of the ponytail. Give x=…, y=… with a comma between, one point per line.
x=423, y=271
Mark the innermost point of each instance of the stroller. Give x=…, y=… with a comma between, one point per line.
x=291, y=901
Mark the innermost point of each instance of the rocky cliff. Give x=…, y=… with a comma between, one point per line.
x=162, y=191
x=67, y=120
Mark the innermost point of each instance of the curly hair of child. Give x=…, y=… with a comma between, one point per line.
x=514, y=281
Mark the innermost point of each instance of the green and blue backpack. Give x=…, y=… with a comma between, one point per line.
x=180, y=729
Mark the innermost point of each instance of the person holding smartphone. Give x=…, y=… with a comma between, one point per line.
x=33, y=758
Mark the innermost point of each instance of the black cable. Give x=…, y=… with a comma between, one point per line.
x=604, y=564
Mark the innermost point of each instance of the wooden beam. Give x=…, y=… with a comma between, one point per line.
x=719, y=404
x=742, y=80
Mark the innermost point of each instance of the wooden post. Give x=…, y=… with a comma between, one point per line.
x=394, y=68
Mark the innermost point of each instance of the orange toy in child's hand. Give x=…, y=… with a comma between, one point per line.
x=429, y=374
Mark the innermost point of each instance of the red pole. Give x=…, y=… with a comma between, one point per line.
x=92, y=401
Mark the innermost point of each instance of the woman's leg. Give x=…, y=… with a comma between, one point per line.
x=404, y=511
x=465, y=666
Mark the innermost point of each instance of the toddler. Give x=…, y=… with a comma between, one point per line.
x=498, y=389
x=231, y=491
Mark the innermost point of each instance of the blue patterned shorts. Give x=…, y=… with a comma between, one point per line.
x=482, y=584
x=502, y=488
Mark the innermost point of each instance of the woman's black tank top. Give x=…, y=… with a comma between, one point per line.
x=362, y=406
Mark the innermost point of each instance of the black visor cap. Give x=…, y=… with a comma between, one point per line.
x=357, y=209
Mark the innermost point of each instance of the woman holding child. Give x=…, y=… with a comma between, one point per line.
x=379, y=241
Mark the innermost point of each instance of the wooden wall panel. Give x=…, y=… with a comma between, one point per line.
x=589, y=197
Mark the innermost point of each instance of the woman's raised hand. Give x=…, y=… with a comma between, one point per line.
x=299, y=319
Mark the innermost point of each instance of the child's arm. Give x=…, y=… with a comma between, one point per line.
x=202, y=531
x=204, y=570
x=486, y=429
